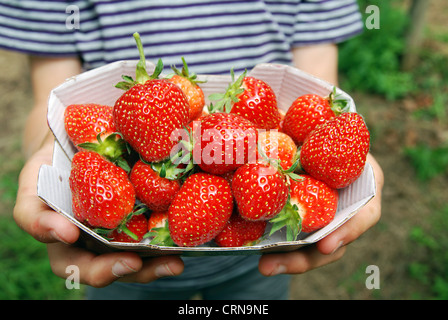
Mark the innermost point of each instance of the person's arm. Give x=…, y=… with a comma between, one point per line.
x=36, y=131
x=47, y=226
x=321, y=61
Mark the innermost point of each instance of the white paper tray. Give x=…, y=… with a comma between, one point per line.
x=97, y=86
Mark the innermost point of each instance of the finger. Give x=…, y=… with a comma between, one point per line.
x=44, y=224
x=155, y=268
x=296, y=262
x=366, y=218
x=101, y=270
x=34, y=216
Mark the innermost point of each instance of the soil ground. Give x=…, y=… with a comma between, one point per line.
x=406, y=203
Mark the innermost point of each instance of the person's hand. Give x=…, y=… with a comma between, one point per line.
x=47, y=226
x=332, y=247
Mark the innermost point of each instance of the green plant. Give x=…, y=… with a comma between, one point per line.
x=371, y=62
x=427, y=161
x=432, y=269
x=26, y=272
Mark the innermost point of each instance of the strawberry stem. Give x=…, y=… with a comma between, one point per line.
x=290, y=218
x=113, y=148
x=225, y=101
x=141, y=73
x=338, y=106
x=160, y=236
x=185, y=73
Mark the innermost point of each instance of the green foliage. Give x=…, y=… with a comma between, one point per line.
x=432, y=269
x=428, y=162
x=26, y=272
x=371, y=62
x=431, y=77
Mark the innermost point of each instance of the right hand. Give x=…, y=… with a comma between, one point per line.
x=47, y=226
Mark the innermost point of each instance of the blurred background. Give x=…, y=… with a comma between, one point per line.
x=398, y=77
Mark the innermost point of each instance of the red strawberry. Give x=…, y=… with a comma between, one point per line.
x=157, y=219
x=308, y=111
x=277, y=146
x=189, y=85
x=158, y=230
x=239, y=232
x=149, y=111
x=312, y=206
x=102, y=195
x=260, y=191
x=84, y=122
x=252, y=99
x=151, y=189
x=316, y=202
x=335, y=152
x=224, y=142
x=132, y=231
x=91, y=127
x=200, y=209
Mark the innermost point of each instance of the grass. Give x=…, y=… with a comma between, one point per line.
x=377, y=55
x=26, y=272
x=431, y=269
x=25, y=269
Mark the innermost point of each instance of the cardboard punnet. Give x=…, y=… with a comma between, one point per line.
x=98, y=86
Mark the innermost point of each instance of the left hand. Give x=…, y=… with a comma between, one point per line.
x=332, y=247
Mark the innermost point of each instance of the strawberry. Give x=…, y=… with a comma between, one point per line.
x=312, y=205
x=239, y=232
x=250, y=98
x=260, y=191
x=158, y=230
x=102, y=195
x=308, y=111
x=154, y=191
x=200, y=210
x=149, y=111
x=132, y=230
x=277, y=146
x=335, y=152
x=84, y=122
x=190, y=86
x=316, y=202
x=157, y=219
x=224, y=142
x=91, y=127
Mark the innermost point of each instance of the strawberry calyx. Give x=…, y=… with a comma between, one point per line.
x=179, y=165
x=185, y=73
x=170, y=169
x=338, y=106
x=141, y=74
x=276, y=163
x=138, y=209
x=160, y=236
x=225, y=101
x=290, y=218
x=113, y=148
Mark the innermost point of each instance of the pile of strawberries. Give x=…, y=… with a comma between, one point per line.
x=160, y=165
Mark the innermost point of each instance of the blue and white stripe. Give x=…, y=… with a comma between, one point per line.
x=213, y=36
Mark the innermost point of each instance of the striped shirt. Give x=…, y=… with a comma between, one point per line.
x=213, y=36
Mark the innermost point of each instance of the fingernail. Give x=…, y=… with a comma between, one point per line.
x=57, y=237
x=120, y=269
x=340, y=244
x=163, y=270
x=280, y=269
